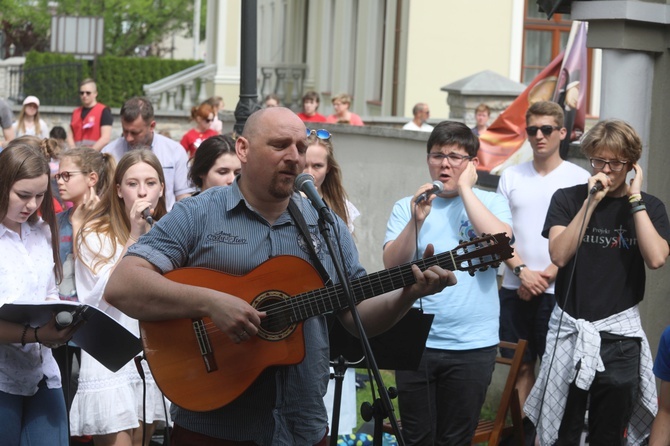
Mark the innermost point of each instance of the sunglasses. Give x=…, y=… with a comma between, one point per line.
x=208, y=120
x=545, y=129
x=82, y=93
x=321, y=134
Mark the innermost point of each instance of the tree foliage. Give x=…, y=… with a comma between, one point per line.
x=131, y=26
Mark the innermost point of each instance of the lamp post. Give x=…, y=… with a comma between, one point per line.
x=248, y=102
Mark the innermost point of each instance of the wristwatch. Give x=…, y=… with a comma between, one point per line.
x=517, y=269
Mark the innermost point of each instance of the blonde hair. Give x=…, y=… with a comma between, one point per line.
x=21, y=125
x=332, y=190
x=615, y=135
x=109, y=218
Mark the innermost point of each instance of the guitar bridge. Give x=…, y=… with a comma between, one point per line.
x=204, y=345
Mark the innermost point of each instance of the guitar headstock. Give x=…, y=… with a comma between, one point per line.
x=481, y=252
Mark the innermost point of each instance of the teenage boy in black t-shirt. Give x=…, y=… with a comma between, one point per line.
x=601, y=236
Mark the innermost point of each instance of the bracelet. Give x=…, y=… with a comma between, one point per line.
x=635, y=197
x=638, y=208
x=636, y=203
x=23, y=335
x=36, y=338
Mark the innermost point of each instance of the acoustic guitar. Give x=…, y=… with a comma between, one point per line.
x=199, y=368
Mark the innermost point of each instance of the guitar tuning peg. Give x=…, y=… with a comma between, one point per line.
x=483, y=268
x=461, y=241
x=472, y=273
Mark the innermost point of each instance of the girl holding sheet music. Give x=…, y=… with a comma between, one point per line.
x=109, y=405
x=32, y=406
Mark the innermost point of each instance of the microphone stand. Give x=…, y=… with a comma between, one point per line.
x=339, y=370
x=381, y=407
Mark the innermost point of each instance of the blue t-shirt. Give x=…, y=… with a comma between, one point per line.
x=662, y=363
x=467, y=314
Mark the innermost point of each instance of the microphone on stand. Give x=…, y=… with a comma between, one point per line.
x=305, y=183
x=437, y=188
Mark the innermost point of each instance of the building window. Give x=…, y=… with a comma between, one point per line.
x=543, y=40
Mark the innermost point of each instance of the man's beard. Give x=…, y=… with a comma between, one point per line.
x=280, y=188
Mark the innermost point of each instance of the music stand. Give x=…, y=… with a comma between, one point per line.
x=399, y=348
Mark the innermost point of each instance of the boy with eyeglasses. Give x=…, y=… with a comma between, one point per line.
x=601, y=236
x=91, y=124
x=440, y=402
x=527, y=292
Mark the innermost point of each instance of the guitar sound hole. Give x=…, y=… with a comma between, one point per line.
x=277, y=324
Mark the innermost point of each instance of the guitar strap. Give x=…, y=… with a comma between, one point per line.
x=302, y=226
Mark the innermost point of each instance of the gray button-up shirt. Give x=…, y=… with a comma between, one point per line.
x=218, y=230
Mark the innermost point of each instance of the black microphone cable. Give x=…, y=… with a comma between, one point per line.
x=580, y=235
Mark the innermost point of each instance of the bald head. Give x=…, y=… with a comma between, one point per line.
x=259, y=120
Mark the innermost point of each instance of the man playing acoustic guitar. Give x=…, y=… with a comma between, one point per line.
x=229, y=336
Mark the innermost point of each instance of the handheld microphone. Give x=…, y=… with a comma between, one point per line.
x=596, y=187
x=146, y=214
x=305, y=183
x=437, y=188
x=63, y=319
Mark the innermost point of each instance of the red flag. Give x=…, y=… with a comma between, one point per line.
x=562, y=81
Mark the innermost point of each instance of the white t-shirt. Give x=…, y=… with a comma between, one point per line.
x=424, y=127
x=529, y=195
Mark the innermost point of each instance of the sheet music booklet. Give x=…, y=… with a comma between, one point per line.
x=100, y=335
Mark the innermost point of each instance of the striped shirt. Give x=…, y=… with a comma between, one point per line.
x=218, y=229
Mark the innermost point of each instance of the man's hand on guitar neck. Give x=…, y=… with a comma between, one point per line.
x=382, y=312
x=431, y=281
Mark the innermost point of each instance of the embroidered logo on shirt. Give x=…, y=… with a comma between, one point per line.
x=316, y=242
x=226, y=237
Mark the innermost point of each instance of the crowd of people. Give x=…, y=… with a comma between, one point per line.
x=141, y=206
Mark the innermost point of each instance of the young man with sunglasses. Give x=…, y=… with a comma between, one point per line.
x=601, y=236
x=91, y=124
x=440, y=402
x=527, y=292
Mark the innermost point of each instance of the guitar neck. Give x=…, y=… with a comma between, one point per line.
x=332, y=298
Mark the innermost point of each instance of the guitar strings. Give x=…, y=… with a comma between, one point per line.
x=321, y=301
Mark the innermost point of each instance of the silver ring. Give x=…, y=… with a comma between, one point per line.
x=244, y=333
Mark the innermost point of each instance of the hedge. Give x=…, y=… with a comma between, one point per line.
x=54, y=78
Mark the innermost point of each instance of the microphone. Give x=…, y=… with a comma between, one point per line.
x=437, y=188
x=146, y=214
x=63, y=319
x=596, y=187
x=305, y=183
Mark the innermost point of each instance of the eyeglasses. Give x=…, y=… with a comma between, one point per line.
x=321, y=134
x=454, y=159
x=615, y=165
x=66, y=175
x=82, y=93
x=545, y=129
